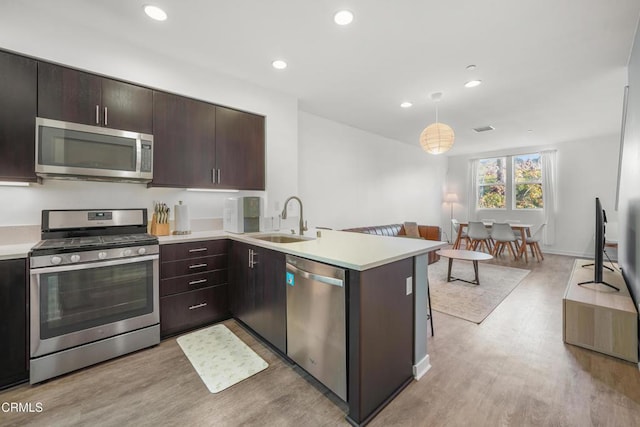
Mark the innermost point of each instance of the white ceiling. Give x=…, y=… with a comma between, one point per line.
x=555, y=67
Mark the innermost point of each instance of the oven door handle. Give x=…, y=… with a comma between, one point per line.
x=89, y=265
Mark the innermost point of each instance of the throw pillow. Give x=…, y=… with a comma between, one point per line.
x=411, y=229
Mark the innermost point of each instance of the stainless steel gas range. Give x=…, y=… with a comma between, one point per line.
x=94, y=289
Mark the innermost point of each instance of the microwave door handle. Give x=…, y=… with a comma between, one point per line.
x=139, y=155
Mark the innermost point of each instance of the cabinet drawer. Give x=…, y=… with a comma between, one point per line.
x=189, y=250
x=192, y=309
x=193, y=281
x=192, y=266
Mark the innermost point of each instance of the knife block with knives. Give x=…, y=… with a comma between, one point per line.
x=160, y=220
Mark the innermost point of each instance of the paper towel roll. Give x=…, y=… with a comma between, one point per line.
x=182, y=224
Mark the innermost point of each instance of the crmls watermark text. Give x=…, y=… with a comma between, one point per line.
x=22, y=407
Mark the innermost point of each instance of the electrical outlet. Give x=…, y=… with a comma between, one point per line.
x=409, y=286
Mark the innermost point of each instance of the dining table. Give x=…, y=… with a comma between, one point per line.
x=524, y=229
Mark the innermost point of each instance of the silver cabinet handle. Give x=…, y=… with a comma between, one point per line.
x=219, y=180
x=97, y=114
x=106, y=116
x=193, y=307
x=197, y=265
x=197, y=282
x=213, y=175
x=250, y=258
x=197, y=250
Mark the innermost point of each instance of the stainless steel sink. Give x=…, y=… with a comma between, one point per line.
x=281, y=238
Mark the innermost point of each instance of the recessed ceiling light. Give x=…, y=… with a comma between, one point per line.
x=343, y=17
x=406, y=104
x=473, y=83
x=154, y=12
x=471, y=67
x=279, y=64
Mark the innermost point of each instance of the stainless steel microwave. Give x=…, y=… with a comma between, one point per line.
x=72, y=150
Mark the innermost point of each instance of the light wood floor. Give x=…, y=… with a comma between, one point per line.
x=513, y=369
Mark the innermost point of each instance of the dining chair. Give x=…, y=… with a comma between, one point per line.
x=502, y=235
x=516, y=232
x=533, y=242
x=464, y=236
x=479, y=236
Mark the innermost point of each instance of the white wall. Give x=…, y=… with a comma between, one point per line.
x=586, y=169
x=23, y=205
x=349, y=177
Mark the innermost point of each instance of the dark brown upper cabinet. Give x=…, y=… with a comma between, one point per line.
x=18, y=102
x=184, y=142
x=201, y=145
x=240, y=149
x=75, y=96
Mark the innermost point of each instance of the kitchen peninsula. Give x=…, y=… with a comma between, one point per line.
x=386, y=303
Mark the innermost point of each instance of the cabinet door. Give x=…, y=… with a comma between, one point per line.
x=13, y=322
x=189, y=310
x=69, y=95
x=126, y=106
x=242, y=284
x=184, y=141
x=240, y=149
x=271, y=297
x=18, y=97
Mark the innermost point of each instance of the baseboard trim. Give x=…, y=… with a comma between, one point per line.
x=421, y=368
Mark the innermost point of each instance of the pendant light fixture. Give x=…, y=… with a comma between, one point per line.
x=437, y=137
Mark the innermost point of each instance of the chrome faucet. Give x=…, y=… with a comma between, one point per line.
x=303, y=224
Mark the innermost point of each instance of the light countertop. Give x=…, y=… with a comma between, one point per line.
x=356, y=251
x=15, y=251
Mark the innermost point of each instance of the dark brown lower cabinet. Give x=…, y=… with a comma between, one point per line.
x=380, y=343
x=259, y=297
x=13, y=322
x=194, y=288
x=191, y=309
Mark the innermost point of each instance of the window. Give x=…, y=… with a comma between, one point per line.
x=527, y=182
x=522, y=191
x=491, y=183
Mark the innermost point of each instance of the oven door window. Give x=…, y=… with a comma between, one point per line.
x=75, y=300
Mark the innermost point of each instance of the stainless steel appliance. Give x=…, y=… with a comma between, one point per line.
x=316, y=326
x=94, y=281
x=72, y=150
x=242, y=214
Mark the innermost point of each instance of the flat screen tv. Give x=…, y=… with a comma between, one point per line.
x=598, y=259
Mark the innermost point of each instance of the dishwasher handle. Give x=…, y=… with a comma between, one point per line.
x=317, y=277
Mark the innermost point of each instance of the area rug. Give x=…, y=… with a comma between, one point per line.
x=219, y=357
x=466, y=301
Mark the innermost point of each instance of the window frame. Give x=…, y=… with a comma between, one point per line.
x=509, y=184
x=503, y=184
x=514, y=184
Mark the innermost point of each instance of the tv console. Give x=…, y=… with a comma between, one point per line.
x=599, y=318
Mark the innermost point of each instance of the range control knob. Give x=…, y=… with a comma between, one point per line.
x=55, y=260
x=126, y=252
x=75, y=258
x=142, y=251
x=102, y=255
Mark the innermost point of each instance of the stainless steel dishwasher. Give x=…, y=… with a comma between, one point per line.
x=316, y=327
